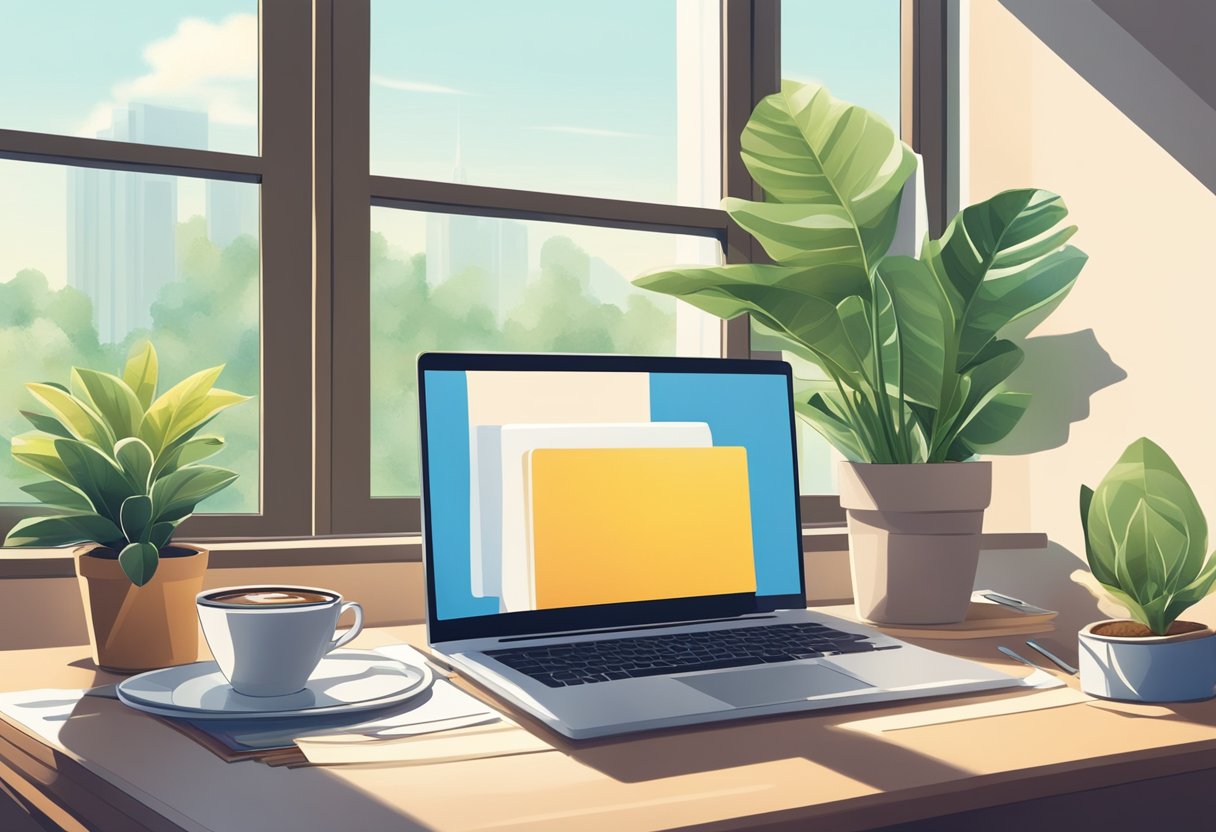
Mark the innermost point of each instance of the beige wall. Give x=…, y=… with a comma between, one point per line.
x=1147, y=291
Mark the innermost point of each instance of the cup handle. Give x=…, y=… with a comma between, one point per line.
x=354, y=628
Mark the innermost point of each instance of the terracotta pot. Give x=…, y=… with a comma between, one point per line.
x=134, y=628
x=1171, y=668
x=914, y=538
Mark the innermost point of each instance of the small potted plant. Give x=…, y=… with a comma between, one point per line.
x=1146, y=541
x=124, y=472
x=909, y=353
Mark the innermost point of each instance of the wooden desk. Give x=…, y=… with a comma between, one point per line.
x=1103, y=766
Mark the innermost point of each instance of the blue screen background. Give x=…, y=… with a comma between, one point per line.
x=751, y=411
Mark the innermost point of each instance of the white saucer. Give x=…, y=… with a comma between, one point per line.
x=344, y=681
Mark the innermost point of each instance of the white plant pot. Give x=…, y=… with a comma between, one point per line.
x=1178, y=668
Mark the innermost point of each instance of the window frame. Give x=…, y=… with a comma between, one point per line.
x=283, y=169
x=316, y=459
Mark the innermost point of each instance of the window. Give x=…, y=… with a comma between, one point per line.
x=285, y=187
x=154, y=190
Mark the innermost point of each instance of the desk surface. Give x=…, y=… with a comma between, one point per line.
x=761, y=772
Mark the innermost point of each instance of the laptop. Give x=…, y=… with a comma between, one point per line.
x=650, y=571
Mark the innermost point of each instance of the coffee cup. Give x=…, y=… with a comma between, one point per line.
x=268, y=640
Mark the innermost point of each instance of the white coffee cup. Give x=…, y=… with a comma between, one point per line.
x=269, y=639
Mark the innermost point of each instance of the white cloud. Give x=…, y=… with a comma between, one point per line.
x=205, y=66
x=414, y=86
x=589, y=131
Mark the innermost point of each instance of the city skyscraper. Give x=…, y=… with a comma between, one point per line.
x=456, y=243
x=122, y=226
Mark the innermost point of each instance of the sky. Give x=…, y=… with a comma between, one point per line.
x=544, y=94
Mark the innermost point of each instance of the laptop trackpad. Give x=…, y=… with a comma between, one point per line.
x=770, y=685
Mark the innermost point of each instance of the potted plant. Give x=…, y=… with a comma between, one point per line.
x=124, y=473
x=1146, y=542
x=910, y=363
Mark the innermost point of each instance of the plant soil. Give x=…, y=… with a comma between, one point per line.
x=1134, y=629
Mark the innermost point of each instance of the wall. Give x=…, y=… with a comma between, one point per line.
x=1063, y=97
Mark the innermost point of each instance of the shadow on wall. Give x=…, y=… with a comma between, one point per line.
x=1054, y=578
x=1151, y=60
x=1062, y=372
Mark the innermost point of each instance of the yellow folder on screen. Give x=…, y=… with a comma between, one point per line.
x=637, y=524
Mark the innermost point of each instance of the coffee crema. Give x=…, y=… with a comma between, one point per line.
x=269, y=597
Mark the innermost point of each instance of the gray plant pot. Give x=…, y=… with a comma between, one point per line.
x=914, y=538
x=1179, y=668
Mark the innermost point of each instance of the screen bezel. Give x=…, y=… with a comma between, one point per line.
x=604, y=615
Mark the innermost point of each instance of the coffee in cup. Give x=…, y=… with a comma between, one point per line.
x=268, y=640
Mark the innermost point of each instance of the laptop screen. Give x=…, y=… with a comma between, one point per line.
x=564, y=492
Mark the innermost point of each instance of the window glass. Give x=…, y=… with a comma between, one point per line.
x=604, y=99
x=95, y=261
x=852, y=46
x=455, y=282
x=183, y=74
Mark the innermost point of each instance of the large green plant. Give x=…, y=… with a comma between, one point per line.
x=123, y=464
x=910, y=350
x=1146, y=537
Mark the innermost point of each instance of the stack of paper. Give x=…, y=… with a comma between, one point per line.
x=440, y=725
x=500, y=564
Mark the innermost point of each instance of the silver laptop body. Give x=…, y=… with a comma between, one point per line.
x=490, y=647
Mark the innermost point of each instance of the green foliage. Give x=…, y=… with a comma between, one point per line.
x=209, y=315
x=121, y=475
x=914, y=368
x=1146, y=537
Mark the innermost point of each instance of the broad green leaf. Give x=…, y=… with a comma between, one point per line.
x=59, y=495
x=1194, y=592
x=111, y=398
x=46, y=424
x=1002, y=300
x=161, y=422
x=798, y=303
x=63, y=530
x=75, y=415
x=175, y=495
x=162, y=533
x=916, y=323
x=37, y=450
x=854, y=312
x=993, y=422
x=203, y=410
x=1146, y=535
x=100, y=479
x=135, y=458
x=1001, y=259
x=978, y=385
x=180, y=454
x=800, y=234
x=803, y=146
x=139, y=561
x=136, y=517
x=1102, y=570
x=140, y=374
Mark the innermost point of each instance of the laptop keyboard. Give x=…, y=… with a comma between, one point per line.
x=588, y=662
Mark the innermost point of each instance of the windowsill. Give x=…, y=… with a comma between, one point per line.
x=227, y=554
